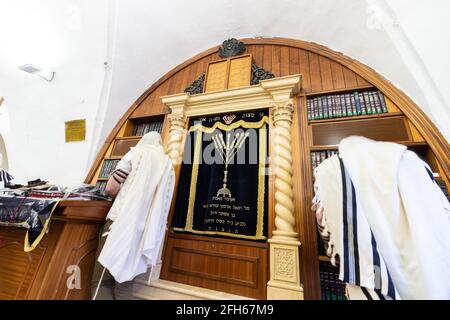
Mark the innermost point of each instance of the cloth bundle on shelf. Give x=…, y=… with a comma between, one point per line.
x=383, y=214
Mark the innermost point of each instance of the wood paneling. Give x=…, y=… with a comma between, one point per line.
x=42, y=273
x=122, y=146
x=381, y=129
x=228, y=265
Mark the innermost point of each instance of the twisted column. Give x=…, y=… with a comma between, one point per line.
x=284, y=198
x=284, y=280
x=176, y=130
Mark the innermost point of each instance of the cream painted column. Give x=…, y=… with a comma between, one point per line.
x=177, y=122
x=284, y=280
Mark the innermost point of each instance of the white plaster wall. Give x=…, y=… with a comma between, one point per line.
x=399, y=39
x=406, y=41
x=69, y=37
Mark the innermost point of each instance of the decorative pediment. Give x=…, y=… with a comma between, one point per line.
x=231, y=48
x=259, y=96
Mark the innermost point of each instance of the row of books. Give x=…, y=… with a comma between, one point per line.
x=331, y=287
x=142, y=128
x=108, y=168
x=346, y=105
x=443, y=186
x=318, y=156
x=101, y=185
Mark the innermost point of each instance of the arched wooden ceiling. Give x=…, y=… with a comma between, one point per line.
x=323, y=69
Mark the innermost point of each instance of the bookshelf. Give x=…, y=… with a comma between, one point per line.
x=128, y=136
x=323, y=135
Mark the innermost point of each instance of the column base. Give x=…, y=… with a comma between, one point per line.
x=284, y=281
x=277, y=291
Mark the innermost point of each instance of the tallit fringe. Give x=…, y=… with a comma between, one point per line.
x=317, y=207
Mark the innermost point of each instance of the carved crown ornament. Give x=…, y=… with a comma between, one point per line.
x=231, y=48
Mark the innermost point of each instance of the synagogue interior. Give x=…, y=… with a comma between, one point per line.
x=224, y=150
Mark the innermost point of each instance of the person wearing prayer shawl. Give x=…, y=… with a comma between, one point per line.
x=386, y=219
x=145, y=177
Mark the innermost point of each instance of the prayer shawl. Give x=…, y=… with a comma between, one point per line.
x=139, y=211
x=5, y=178
x=389, y=224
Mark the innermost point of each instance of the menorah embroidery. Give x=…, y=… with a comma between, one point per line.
x=227, y=151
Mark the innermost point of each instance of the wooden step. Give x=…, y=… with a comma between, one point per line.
x=168, y=290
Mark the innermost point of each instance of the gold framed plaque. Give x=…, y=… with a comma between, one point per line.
x=229, y=73
x=75, y=130
x=240, y=71
x=216, y=76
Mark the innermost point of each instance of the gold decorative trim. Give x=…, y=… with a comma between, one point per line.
x=234, y=125
x=261, y=179
x=196, y=161
x=26, y=246
x=220, y=233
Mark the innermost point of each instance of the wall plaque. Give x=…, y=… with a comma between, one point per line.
x=75, y=130
x=216, y=76
x=240, y=71
x=233, y=72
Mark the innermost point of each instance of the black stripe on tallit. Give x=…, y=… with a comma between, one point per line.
x=391, y=288
x=430, y=174
x=376, y=260
x=117, y=180
x=379, y=294
x=366, y=293
x=355, y=233
x=345, y=224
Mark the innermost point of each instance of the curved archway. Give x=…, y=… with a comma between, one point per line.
x=413, y=112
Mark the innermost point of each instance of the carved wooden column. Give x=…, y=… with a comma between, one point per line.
x=177, y=123
x=284, y=245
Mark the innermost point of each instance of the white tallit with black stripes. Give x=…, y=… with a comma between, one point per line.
x=389, y=223
x=5, y=178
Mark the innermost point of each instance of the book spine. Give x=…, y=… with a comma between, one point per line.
x=346, y=101
x=367, y=102
x=331, y=111
x=308, y=109
x=323, y=156
x=335, y=106
x=341, y=99
x=382, y=101
x=315, y=112
x=317, y=158
x=352, y=104
x=357, y=103
x=342, y=106
x=373, y=103
x=325, y=107
x=319, y=105
x=362, y=104
x=313, y=160
x=102, y=170
x=377, y=101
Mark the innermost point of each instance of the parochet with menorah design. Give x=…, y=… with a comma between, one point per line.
x=223, y=180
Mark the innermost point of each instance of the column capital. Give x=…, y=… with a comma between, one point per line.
x=282, y=111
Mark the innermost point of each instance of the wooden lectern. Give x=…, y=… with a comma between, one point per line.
x=61, y=266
